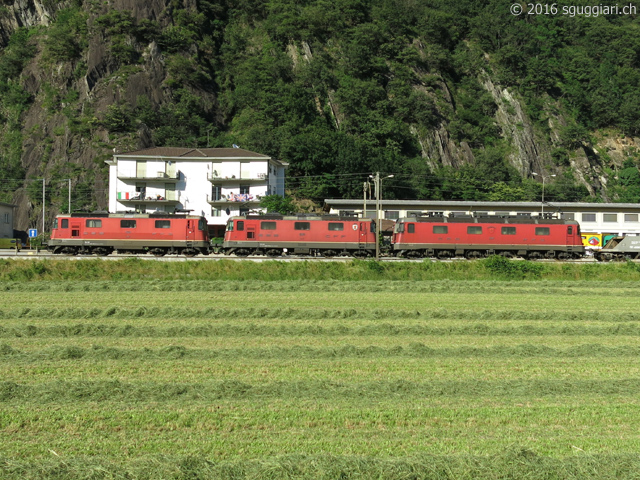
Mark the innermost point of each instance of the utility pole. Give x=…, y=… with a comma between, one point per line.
x=43, y=209
x=377, y=181
x=364, y=191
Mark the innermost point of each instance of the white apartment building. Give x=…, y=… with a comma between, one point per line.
x=213, y=182
x=6, y=220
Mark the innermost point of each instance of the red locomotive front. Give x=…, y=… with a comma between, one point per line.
x=475, y=237
x=103, y=234
x=274, y=235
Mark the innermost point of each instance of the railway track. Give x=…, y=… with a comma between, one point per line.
x=34, y=255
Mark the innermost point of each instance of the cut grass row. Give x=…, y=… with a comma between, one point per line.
x=342, y=370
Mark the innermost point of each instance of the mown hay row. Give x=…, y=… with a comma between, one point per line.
x=514, y=463
x=117, y=391
x=415, y=350
x=81, y=330
x=440, y=286
x=118, y=312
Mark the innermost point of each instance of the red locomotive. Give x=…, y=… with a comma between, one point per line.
x=274, y=235
x=480, y=236
x=104, y=233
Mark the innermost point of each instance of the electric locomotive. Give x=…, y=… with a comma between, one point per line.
x=470, y=236
x=275, y=235
x=104, y=233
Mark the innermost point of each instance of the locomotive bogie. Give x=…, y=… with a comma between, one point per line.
x=104, y=234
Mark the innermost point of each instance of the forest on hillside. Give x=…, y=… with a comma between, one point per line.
x=458, y=100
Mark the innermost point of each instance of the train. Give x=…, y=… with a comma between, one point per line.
x=437, y=236
x=432, y=236
x=106, y=233
x=275, y=235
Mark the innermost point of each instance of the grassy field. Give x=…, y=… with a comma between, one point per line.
x=174, y=373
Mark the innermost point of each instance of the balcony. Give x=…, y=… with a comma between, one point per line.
x=260, y=177
x=127, y=198
x=157, y=177
x=238, y=199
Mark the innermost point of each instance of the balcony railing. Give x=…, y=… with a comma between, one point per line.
x=150, y=177
x=242, y=198
x=168, y=198
x=259, y=177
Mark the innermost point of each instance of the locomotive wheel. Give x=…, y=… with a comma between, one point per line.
x=506, y=254
x=274, y=252
x=550, y=254
x=442, y=254
x=101, y=252
x=564, y=256
x=473, y=254
x=535, y=256
x=158, y=252
x=242, y=252
x=329, y=253
x=189, y=252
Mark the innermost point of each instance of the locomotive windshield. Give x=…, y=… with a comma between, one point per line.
x=230, y=226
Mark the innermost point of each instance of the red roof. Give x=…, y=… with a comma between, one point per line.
x=194, y=153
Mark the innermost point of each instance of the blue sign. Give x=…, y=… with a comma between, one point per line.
x=33, y=232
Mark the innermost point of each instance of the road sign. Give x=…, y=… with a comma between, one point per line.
x=33, y=232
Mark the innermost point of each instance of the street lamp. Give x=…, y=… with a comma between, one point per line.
x=377, y=181
x=542, y=203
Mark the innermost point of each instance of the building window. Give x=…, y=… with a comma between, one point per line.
x=508, y=230
x=609, y=217
x=94, y=224
x=568, y=216
x=216, y=193
x=243, y=211
x=268, y=225
x=302, y=226
x=474, y=230
x=216, y=212
x=244, y=189
x=392, y=214
x=336, y=227
x=588, y=217
x=127, y=224
x=440, y=229
x=630, y=217
x=542, y=231
x=6, y=218
x=163, y=223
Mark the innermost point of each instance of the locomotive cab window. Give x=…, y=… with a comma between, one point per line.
x=570, y=230
x=399, y=228
x=163, y=223
x=94, y=224
x=302, y=226
x=411, y=228
x=336, y=227
x=508, y=230
x=230, y=226
x=268, y=225
x=127, y=224
x=64, y=223
x=202, y=225
x=542, y=231
x=240, y=225
x=474, y=230
x=440, y=229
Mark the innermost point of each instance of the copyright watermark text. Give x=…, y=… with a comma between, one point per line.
x=571, y=10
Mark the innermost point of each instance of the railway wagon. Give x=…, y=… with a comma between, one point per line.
x=104, y=233
x=275, y=235
x=480, y=236
x=619, y=249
